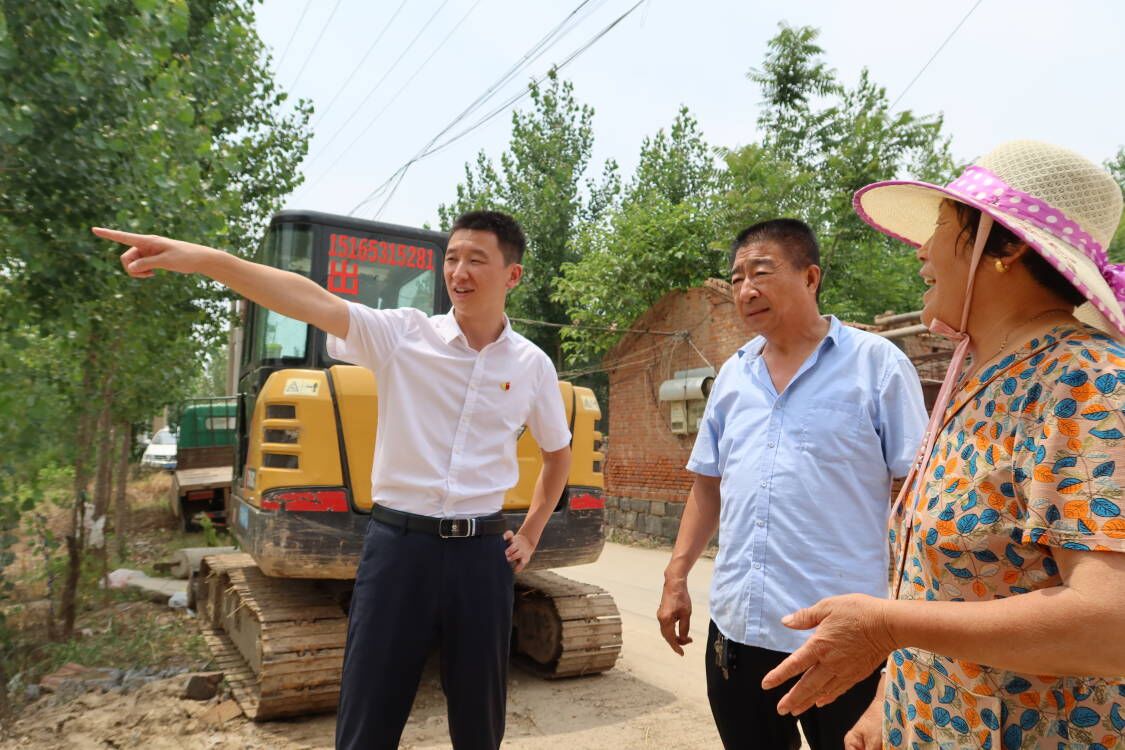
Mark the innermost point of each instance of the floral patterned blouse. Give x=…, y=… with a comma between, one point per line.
x=1031, y=458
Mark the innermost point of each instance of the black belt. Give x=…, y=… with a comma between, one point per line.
x=446, y=528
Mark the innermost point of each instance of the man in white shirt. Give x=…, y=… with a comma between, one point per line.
x=454, y=392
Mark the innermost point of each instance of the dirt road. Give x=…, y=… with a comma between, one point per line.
x=652, y=699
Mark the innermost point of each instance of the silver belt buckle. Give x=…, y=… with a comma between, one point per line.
x=458, y=528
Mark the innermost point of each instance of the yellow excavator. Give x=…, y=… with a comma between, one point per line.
x=275, y=613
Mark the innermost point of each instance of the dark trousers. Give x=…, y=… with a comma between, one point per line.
x=747, y=717
x=414, y=592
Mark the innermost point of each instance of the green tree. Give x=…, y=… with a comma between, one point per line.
x=539, y=182
x=827, y=140
x=34, y=418
x=146, y=114
x=822, y=141
x=658, y=237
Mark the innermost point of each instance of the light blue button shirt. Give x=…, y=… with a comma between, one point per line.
x=805, y=478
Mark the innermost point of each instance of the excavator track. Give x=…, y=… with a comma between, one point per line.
x=564, y=628
x=279, y=641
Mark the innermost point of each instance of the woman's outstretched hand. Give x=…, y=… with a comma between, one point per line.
x=852, y=638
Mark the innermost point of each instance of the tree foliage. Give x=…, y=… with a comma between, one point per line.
x=539, y=181
x=152, y=115
x=822, y=140
x=828, y=140
x=659, y=236
x=669, y=226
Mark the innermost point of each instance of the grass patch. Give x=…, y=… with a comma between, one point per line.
x=128, y=634
x=114, y=628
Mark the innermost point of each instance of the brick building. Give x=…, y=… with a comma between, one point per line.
x=646, y=483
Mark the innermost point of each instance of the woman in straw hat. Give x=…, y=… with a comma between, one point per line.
x=1006, y=626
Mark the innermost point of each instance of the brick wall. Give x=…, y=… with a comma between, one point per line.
x=646, y=483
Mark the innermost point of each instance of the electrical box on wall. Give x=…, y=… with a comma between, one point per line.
x=686, y=395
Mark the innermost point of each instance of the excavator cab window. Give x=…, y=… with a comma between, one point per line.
x=274, y=336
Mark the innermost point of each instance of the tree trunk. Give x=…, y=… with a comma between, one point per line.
x=121, y=509
x=75, y=538
x=102, y=489
x=103, y=473
x=73, y=568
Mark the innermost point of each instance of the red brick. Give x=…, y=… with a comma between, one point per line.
x=646, y=461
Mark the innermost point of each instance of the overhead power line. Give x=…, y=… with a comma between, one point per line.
x=371, y=92
x=431, y=148
x=386, y=107
x=293, y=36
x=312, y=50
x=612, y=329
x=936, y=53
x=632, y=364
x=530, y=56
x=324, y=113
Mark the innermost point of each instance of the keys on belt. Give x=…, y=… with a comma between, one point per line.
x=724, y=654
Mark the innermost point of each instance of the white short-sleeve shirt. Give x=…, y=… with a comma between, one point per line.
x=449, y=416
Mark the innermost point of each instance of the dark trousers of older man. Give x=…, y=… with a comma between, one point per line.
x=747, y=717
x=415, y=591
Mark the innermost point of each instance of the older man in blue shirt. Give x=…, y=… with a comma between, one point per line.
x=804, y=430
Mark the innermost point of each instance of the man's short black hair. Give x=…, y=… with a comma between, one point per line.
x=793, y=236
x=508, y=233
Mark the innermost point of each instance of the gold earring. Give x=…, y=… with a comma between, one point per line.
x=1000, y=267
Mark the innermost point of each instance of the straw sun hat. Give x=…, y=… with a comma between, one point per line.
x=1061, y=204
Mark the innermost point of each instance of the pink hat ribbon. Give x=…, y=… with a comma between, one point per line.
x=987, y=191
x=1114, y=275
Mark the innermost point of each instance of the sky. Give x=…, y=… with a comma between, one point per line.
x=1032, y=69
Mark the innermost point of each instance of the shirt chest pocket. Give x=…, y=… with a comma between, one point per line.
x=504, y=405
x=832, y=429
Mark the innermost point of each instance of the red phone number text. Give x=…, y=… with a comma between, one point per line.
x=380, y=251
x=343, y=274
